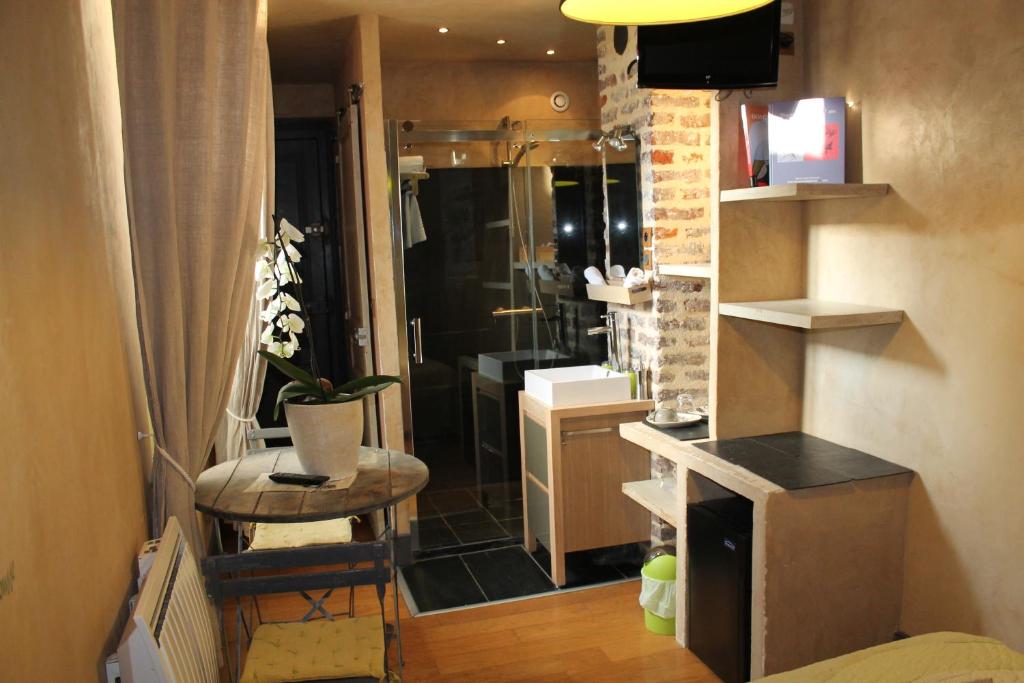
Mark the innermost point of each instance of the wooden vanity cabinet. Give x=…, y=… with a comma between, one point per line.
x=574, y=463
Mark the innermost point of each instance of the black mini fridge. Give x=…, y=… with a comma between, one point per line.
x=718, y=539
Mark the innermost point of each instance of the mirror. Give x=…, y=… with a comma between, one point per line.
x=622, y=192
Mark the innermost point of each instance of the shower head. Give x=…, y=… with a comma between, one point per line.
x=533, y=144
x=613, y=140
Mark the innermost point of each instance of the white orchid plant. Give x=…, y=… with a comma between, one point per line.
x=275, y=268
x=284, y=318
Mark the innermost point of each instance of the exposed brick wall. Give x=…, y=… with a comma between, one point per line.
x=671, y=333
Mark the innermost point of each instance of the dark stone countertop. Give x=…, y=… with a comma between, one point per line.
x=794, y=460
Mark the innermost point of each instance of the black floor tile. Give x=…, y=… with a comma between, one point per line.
x=435, y=533
x=513, y=527
x=458, y=500
x=425, y=509
x=477, y=516
x=626, y=559
x=505, y=509
x=475, y=533
x=512, y=490
x=441, y=583
x=475, y=526
x=464, y=548
x=580, y=568
x=504, y=501
x=507, y=573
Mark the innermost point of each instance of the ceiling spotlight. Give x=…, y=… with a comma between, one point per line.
x=618, y=13
x=501, y=41
x=551, y=52
x=442, y=29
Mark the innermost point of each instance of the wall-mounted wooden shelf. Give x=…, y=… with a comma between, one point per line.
x=811, y=314
x=628, y=296
x=657, y=495
x=523, y=265
x=695, y=270
x=802, y=192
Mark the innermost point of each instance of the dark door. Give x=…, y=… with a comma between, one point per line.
x=306, y=196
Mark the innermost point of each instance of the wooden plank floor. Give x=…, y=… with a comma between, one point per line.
x=590, y=635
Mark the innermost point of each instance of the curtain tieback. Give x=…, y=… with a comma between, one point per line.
x=238, y=417
x=174, y=465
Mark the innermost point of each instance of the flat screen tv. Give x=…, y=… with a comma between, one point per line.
x=740, y=51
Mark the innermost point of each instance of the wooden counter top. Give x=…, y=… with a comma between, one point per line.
x=686, y=455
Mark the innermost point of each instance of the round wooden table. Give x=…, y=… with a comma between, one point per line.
x=240, y=491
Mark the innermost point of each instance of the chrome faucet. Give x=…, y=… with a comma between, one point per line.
x=611, y=328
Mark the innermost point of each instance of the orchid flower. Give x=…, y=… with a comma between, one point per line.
x=289, y=302
x=289, y=233
x=291, y=346
x=281, y=312
x=266, y=289
x=291, y=323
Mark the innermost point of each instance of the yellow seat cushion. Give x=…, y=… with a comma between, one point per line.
x=266, y=536
x=316, y=650
x=934, y=657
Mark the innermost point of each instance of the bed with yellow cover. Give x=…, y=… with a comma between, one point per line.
x=933, y=658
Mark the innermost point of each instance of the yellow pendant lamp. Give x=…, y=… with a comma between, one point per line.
x=630, y=12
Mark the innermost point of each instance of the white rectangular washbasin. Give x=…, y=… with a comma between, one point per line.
x=577, y=385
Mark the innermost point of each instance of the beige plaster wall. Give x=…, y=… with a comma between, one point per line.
x=71, y=485
x=304, y=100
x=935, y=111
x=487, y=91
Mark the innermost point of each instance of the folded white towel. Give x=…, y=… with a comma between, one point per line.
x=593, y=276
x=411, y=164
x=616, y=271
x=634, y=277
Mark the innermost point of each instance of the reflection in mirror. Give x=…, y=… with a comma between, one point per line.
x=624, y=220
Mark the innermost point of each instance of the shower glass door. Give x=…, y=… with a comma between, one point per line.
x=477, y=208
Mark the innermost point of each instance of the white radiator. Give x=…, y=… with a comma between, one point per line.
x=170, y=637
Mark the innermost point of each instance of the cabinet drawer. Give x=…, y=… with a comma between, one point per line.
x=538, y=513
x=536, y=449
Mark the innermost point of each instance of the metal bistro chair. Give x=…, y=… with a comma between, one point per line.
x=271, y=536
x=170, y=636
x=353, y=649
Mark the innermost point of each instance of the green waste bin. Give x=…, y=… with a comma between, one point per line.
x=658, y=594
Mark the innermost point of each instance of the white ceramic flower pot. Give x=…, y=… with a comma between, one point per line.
x=327, y=438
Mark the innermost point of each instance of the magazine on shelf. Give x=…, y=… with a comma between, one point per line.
x=807, y=141
x=755, y=137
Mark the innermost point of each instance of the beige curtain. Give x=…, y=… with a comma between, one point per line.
x=250, y=370
x=194, y=98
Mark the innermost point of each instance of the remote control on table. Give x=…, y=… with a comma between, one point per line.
x=300, y=479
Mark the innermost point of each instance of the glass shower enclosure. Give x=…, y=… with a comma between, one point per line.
x=484, y=214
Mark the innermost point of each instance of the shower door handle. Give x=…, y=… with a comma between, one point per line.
x=417, y=340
